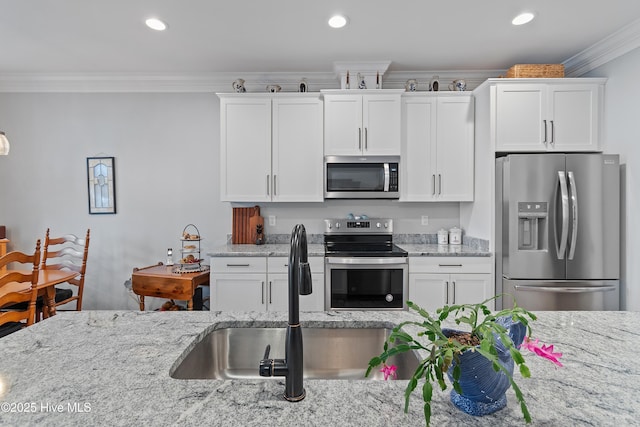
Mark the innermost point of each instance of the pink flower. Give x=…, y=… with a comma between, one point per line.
x=545, y=351
x=389, y=371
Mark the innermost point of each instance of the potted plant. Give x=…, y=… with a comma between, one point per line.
x=479, y=361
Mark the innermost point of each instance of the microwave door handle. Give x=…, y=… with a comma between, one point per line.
x=562, y=246
x=386, y=177
x=574, y=214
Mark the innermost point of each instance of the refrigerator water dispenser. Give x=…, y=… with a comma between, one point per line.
x=532, y=225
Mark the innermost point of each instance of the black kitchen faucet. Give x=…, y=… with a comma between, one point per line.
x=291, y=367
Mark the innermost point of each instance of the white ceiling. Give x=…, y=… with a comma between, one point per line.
x=220, y=36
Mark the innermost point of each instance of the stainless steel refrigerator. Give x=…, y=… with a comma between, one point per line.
x=558, y=231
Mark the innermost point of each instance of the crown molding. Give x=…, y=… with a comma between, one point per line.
x=617, y=44
x=215, y=82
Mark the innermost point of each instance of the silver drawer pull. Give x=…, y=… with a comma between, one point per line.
x=449, y=265
x=238, y=265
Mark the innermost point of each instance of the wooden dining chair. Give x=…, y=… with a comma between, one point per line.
x=68, y=252
x=18, y=288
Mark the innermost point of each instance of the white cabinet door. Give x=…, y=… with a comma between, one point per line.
x=362, y=124
x=297, y=149
x=418, y=148
x=342, y=125
x=279, y=293
x=238, y=292
x=245, y=149
x=429, y=291
x=574, y=117
x=520, y=115
x=471, y=289
x=547, y=116
x=437, y=147
x=381, y=124
x=455, y=148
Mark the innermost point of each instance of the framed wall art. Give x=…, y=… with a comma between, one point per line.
x=101, y=176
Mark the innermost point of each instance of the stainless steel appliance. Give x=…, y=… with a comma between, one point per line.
x=364, y=270
x=558, y=231
x=356, y=177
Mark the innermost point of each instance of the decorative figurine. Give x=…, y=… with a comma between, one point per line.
x=259, y=234
x=302, y=87
x=238, y=86
x=434, y=85
x=361, y=83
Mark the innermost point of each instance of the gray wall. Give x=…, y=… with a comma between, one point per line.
x=166, y=150
x=622, y=135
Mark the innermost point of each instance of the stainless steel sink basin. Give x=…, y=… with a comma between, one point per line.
x=329, y=353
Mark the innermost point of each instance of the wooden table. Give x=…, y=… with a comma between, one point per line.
x=161, y=281
x=47, y=280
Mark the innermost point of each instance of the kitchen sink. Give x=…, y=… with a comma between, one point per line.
x=329, y=353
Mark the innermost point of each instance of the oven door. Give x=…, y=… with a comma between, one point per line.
x=366, y=283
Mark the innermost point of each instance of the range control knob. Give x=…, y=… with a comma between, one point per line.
x=378, y=225
x=386, y=225
x=329, y=225
x=389, y=297
x=337, y=225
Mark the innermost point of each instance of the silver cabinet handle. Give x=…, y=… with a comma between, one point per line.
x=574, y=214
x=268, y=185
x=433, y=179
x=237, y=265
x=274, y=185
x=270, y=293
x=366, y=139
x=262, y=292
x=545, y=132
x=454, y=291
x=439, y=184
x=446, y=301
x=553, y=137
x=359, y=138
x=449, y=265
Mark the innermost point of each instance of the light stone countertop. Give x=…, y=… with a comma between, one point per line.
x=115, y=366
x=316, y=249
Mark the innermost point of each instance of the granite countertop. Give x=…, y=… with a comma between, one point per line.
x=114, y=367
x=316, y=249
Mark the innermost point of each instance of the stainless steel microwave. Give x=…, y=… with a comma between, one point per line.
x=361, y=177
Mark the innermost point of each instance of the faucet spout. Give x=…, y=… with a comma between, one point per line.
x=299, y=284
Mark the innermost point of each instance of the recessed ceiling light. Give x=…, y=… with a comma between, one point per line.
x=156, y=24
x=337, y=21
x=523, y=18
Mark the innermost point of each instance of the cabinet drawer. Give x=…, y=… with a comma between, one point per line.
x=450, y=264
x=238, y=265
x=279, y=264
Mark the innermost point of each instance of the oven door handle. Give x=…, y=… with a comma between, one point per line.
x=367, y=261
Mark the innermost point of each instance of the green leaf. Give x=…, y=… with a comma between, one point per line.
x=524, y=371
x=427, y=391
x=413, y=382
x=427, y=414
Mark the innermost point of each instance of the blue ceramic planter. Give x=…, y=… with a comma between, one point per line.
x=483, y=389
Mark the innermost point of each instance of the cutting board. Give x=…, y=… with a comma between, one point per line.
x=243, y=232
x=254, y=221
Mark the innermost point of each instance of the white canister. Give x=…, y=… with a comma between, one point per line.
x=443, y=237
x=455, y=236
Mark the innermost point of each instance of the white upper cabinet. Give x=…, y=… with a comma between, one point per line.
x=271, y=148
x=553, y=115
x=362, y=124
x=437, y=147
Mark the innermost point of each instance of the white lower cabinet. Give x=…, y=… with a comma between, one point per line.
x=438, y=281
x=260, y=284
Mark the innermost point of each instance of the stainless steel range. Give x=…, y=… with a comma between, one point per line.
x=364, y=269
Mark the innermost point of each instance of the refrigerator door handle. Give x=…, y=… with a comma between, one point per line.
x=561, y=248
x=574, y=214
x=567, y=289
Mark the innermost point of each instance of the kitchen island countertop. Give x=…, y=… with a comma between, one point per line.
x=112, y=368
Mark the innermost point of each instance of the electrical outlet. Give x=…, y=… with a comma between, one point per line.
x=272, y=220
x=425, y=220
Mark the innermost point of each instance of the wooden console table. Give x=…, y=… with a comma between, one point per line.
x=160, y=281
